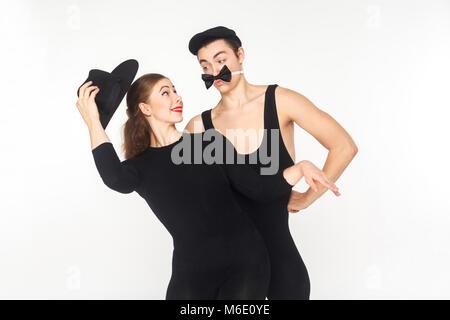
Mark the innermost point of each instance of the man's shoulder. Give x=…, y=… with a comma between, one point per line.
x=285, y=92
x=289, y=103
x=287, y=96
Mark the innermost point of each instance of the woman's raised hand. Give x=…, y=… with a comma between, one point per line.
x=86, y=103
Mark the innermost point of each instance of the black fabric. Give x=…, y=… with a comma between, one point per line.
x=218, y=251
x=289, y=276
x=206, y=118
x=113, y=87
x=224, y=74
x=218, y=32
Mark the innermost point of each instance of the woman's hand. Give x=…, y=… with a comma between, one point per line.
x=299, y=200
x=86, y=103
x=312, y=175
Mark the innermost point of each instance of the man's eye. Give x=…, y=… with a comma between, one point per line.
x=204, y=68
x=222, y=60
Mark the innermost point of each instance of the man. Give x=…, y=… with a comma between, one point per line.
x=245, y=106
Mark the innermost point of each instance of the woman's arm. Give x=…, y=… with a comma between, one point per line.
x=119, y=176
x=122, y=176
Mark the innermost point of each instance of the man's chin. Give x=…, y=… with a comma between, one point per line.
x=223, y=88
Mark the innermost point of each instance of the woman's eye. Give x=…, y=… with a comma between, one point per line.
x=204, y=68
x=221, y=60
x=165, y=92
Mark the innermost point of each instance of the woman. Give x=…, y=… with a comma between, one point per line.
x=218, y=252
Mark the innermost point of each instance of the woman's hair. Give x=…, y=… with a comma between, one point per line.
x=137, y=129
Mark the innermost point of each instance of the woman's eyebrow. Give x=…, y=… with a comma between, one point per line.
x=164, y=87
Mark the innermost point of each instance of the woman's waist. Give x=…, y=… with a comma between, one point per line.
x=226, y=243
x=268, y=199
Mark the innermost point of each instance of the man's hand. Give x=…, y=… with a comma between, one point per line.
x=297, y=202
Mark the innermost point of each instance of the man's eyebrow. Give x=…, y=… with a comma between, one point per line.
x=164, y=87
x=203, y=60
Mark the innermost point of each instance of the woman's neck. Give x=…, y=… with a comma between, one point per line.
x=162, y=135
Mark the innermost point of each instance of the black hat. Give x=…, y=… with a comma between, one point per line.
x=199, y=39
x=113, y=87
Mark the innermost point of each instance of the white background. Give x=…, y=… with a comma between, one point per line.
x=380, y=68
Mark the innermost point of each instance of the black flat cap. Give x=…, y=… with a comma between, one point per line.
x=199, y=39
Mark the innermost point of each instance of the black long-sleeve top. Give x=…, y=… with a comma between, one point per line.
x=193, y=201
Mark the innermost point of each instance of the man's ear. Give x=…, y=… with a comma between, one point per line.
x=241, y=55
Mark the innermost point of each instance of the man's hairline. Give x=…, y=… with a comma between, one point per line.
x=204, y=45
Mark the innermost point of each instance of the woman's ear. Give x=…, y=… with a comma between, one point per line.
x=146, y=109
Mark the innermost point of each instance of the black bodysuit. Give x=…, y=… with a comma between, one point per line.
x=218, y=252
x=289, y=276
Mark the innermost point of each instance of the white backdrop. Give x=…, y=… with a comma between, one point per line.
x=380, y=68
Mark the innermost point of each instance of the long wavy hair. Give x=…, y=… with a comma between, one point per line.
x=137, y=129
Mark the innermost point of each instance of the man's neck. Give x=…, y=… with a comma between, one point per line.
x=238, y=96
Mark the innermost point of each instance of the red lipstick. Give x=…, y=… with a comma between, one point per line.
x=177, y=109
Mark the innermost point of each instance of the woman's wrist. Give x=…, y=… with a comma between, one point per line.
x=293, y=174
x=299, y=165
x=94, y=125
x=97, y=133
x=299, y=169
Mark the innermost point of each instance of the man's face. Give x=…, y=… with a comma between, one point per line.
x=214, y=56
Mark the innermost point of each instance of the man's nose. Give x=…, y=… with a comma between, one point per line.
x=216, y=71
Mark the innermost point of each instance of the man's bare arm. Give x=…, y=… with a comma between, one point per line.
x=293, y=106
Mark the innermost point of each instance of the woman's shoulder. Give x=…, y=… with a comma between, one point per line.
x=195, y=125
x=135, y=160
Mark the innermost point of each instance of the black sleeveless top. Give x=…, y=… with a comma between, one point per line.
x=274, y=184
x=289, y=275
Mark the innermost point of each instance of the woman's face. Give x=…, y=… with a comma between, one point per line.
x=164, y=103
